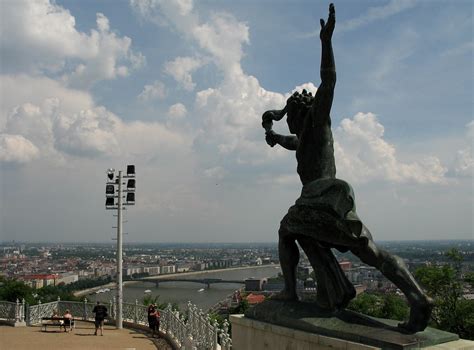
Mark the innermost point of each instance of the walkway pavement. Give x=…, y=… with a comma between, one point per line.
x=31, y=338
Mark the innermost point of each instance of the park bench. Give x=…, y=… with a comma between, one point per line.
x=57, y=322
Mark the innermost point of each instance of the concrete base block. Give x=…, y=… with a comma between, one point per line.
x=252, y=334
x=256, y=335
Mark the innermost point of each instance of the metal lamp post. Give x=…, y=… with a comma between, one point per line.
x=114, y=190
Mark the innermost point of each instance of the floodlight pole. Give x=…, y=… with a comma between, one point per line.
x=119, y=323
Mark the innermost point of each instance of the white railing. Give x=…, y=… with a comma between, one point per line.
x=194, y=330
x=190, y=330
x=13, y=313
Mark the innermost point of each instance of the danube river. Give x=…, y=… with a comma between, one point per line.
x=198, y=294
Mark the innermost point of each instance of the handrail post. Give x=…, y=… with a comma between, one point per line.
x=23, y=309
x=135, y=319
x=111, y=305
x=84, y=314
x=17, y=311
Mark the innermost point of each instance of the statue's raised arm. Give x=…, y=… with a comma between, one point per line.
x=323, y=100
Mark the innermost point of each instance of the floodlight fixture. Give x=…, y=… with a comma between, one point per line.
x=109, y=202
x=110, y=173
x=130, y=197
x=109, y=190
x=131, y=184
x=130, y=170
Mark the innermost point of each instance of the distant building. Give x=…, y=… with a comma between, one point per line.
x=67, y=278
x=253, y=299
x=152, y=270
x=131, y=270
x=168, y=269
x=255, y=284
x=40, y=280
x=199, y=266
x=183, y=267
x=345, y=265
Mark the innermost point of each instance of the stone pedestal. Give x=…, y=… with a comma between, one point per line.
x=300, y=324
x=257, y=335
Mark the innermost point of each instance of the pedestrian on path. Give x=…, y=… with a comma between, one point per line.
x=100, y=312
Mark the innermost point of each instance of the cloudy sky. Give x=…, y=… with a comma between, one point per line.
x=178, y=89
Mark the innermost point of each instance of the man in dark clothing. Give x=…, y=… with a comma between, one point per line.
x=100, y=312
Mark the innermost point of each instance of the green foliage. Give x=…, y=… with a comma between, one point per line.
x=452, y=312
x=215, y=317
x=11, y=290
x=241, y=308
x=380, y=305
x=155, y=299
x=51, y=293
x=394, y=307
x=469, y=279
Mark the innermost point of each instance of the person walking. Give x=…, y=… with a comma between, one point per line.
x=100, y=312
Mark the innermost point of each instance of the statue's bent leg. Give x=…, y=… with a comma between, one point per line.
x=289, y=257
x=397, y=272
x=334, y=291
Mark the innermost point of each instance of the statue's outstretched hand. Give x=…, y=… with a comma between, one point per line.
x=270, y=137
x=328, y=28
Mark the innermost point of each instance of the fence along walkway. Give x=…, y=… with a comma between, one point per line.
x=191, y=329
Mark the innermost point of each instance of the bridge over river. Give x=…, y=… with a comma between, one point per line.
x=205, y=281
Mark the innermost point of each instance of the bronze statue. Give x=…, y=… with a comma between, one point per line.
x=324, y=216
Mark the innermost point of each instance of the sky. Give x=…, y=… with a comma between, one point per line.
x=178, y=88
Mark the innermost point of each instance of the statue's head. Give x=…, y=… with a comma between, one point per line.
x=296, y=108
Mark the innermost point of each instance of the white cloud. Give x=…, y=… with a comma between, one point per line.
x=16, y=149
x=33, y=121
x=464, y=162
x=181, y=69
x=161, y=142
x=177, y=111
x=223, y=38
x=216, y=173
x=39, y=35
x=363, y=155
x=231, y=112
x=157, y=90
x=63, y=123
x=87, y=133
x=17, y=90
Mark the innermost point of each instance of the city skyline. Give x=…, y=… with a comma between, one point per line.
x=177, y=88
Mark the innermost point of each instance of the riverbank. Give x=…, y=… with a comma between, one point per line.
x=113, y=285
x=110, y=285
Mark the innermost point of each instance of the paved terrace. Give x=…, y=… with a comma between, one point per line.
x=82, y=337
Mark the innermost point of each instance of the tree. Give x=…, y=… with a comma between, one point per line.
x=452, y=312
x=11, y=290
x=380, y=305
x=155, y=299
x=51, y=293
